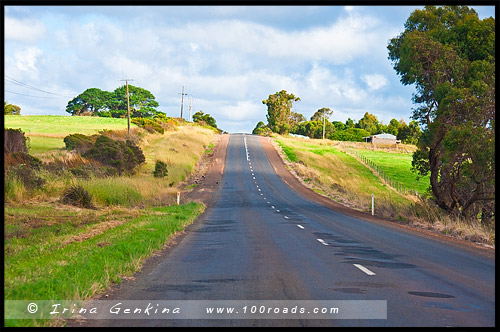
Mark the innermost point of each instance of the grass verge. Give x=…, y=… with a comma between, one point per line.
x=327, y=170
x=74, y=254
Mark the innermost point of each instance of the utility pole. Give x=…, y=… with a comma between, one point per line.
x=128, y=107
x=182, y=99
x=190, y=104
x=324, y=117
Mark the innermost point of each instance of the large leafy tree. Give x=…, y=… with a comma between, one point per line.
x=370, y=123
x=142, y=102
x=448, y=53
x=89, y=102
x=98, y=102
x=11, y=108
x=280, y=117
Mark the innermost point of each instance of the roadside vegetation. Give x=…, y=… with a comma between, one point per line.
x=323, y=166
x=448, y=53
x=86, y=210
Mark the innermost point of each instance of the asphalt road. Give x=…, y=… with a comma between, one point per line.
x=262, y=241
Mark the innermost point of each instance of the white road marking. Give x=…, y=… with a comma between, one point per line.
x=277, y=210
x=259, y=189
x=262, y=194
x=286, y=217
x=364, y=269
x=272, y=206
x=300, y=226
x=322, y=242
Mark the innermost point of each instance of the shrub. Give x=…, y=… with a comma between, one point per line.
x=123, y=156
x=78, y=196
x=79, y=142
x=160, y=169
x=15, y=141
x=148, y=124
x=25, y=175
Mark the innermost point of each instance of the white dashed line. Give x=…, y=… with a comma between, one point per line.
x=300, y=226
x=286, y=217
x=277, y=210
x=272, y=206
x=364, y=269
x=322, y=242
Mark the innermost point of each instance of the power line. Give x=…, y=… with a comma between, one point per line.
x=14, y=81
x=21, y=94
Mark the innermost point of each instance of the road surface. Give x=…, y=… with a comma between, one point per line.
x=261, y=241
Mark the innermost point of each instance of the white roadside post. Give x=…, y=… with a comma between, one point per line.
x=178, y=198
x=373, y=203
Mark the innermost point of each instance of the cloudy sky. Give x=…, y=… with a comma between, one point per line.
x=228, y=58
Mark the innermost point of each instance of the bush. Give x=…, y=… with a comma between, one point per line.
x=79, y=142
x=148, y=124
x=78, y=196
x=123, y=156
x=15, y=141
x=160, y=169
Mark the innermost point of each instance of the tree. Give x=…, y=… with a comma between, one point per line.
x=449, y=54
x=393, y=127
x=90, y=102
x=142, y=102
x=279, y=116
x=369, y=122
x=204, y=118
x=11, y=109
x=349, y=123
x=409, y=134
x=261, y=129
x=322, y=112
x=350, y=134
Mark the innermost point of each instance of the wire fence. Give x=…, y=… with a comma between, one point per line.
x=378, y=171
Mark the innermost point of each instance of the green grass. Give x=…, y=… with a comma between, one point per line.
x=41, y=144
x=47, y=265
x=336, y=173
x=290, y=154
x=398, y=167
x=61, y=125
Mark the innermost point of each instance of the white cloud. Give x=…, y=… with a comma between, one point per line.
x=23, y=30
x=26, y=59
x=375, y=81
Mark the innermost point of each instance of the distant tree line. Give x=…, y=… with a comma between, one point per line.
x=282, y=120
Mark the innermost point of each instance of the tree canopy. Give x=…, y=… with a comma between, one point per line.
x=97, y=102
x=204, y=118
x=11, y=108
x=448, y=53
x=280, y=117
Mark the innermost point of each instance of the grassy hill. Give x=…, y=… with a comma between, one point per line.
x=46, y=132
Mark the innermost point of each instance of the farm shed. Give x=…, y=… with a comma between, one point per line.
x=382, y=138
